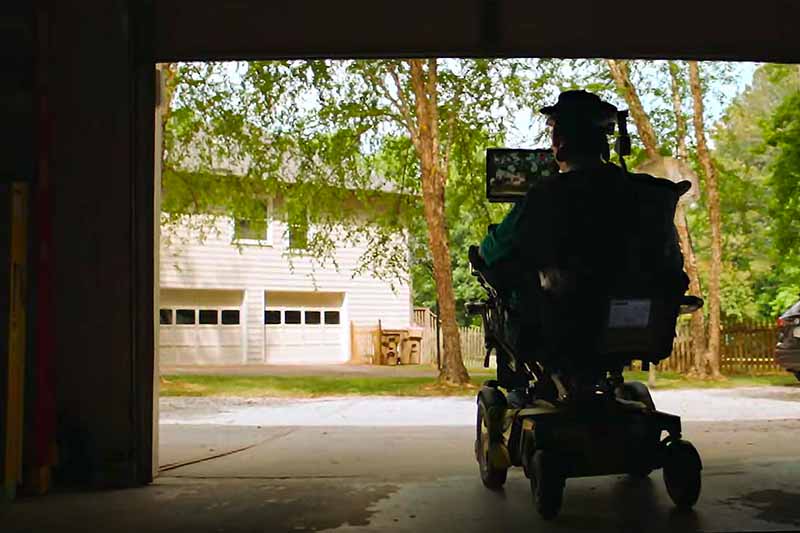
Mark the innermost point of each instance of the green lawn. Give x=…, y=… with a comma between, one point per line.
x=309, y=386
x=672, y=380
x=318, y=386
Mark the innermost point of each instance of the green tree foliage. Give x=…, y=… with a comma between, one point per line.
x=782, y=135
x=760, y=278
x=234, y=130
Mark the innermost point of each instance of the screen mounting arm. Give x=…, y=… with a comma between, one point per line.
x=623, y=143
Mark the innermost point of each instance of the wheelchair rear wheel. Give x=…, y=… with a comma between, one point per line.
x=492, y=476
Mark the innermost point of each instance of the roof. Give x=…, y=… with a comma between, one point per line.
x=290, y=172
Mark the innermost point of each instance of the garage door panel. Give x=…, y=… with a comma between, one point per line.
x=202, y=337
x=177, y=336
x=312, y=341
x=230, y=337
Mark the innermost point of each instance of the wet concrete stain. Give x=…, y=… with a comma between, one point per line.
x=773, y=505
x=301, y=506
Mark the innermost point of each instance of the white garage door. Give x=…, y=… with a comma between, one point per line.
x=201, y=329
x=297, y=334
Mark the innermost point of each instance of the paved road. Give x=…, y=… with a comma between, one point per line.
x=407, y=465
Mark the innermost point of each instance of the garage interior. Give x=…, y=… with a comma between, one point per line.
x=79, y=195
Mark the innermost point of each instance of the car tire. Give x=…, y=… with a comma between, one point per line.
x=797, y=375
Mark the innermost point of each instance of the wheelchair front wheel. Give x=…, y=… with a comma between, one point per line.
x=547, y=484
x=682, y=469
x=492, y=476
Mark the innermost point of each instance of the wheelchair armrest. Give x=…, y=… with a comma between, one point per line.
x=475, y=259
x=690, y=304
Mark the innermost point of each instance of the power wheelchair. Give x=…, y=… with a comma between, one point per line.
x=572, y=414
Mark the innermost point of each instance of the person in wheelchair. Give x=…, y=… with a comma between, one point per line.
x=575, y=238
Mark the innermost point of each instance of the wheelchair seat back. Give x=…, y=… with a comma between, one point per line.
x=611, y=285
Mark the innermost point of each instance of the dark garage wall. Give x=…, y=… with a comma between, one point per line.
x=90, y=94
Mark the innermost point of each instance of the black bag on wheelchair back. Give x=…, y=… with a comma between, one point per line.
x=609, y=265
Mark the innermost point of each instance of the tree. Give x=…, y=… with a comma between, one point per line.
x=782, y=134
x=715, y=222
x=745, y=160
x=697, y=319
x=334, y=121
x=620, y=74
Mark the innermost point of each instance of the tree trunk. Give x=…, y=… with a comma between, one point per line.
x=646, y=132
x=434, y=178
x=714, y=217
x=698, y=325
x=169, y=75
x=619, y=71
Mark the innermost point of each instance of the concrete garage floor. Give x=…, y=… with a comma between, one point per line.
x=351, y=477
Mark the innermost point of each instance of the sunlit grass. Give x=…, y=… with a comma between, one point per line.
x=321, y=386
x=673, y=380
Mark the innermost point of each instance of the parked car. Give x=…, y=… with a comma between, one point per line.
x=787, y=351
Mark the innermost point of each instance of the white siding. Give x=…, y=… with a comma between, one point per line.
x=219, y=264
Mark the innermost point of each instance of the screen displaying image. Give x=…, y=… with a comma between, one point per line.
x=511, y=172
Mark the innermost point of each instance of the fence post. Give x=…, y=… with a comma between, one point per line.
x=353, y=348
x=438, y=341
x=377, y=358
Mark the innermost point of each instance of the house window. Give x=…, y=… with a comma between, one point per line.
x=253, y=229
x=165, y=317
x=230, y=317
x=184, y=316
x=272, y=317
x=292, y=317
x=298, y=229
x=313, y=317
x=209, y=317
x=332, y=317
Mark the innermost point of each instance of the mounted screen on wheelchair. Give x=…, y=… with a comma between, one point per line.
x=510, y=172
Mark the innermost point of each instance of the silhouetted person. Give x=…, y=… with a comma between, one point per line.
x=576, y=236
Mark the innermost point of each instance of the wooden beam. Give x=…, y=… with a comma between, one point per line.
x=253, y=29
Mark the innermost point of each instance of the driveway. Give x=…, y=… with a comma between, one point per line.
x=756, y=403
x=406, y=464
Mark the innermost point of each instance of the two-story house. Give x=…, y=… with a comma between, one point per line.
x=237, y=298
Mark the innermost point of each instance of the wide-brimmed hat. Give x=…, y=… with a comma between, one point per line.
x=582, y=107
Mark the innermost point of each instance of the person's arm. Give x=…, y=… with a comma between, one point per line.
x=499, y=244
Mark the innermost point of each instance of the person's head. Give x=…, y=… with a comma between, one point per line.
x=581, y=123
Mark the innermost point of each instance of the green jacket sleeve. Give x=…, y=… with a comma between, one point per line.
x=499, y=244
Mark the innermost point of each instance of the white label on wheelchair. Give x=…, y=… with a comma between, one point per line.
x=629, y=314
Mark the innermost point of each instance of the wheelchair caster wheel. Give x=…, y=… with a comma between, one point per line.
x=682, y=467
x=492, y=458
x=547, y=484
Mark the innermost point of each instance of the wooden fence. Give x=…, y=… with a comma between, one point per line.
x=425, y=319
x=749, y=347
x=473, y=348
x=364, y=343
x=472, y=343
x=745, y=346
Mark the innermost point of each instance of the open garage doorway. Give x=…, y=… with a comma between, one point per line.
x=314, y=428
